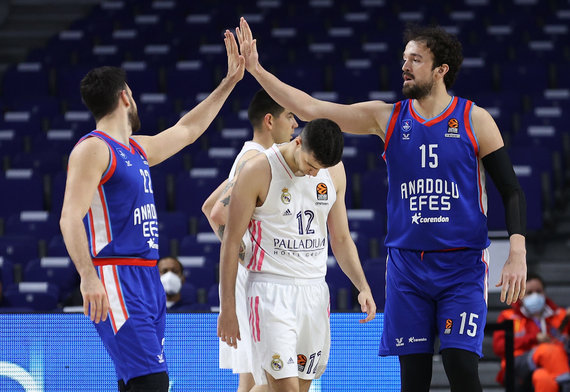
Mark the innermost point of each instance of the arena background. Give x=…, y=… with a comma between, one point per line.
x=516, y=58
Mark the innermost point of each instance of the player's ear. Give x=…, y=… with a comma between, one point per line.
x=268, y=120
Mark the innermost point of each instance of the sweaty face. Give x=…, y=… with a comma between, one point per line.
x=284, y=126
x=417, y=71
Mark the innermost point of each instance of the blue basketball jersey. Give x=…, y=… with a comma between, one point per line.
x=122, y=223
x=436, y=196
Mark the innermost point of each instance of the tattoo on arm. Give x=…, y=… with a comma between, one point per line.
x=225, y=201
x=228, y=186
x=221, y=231
x=242, y=251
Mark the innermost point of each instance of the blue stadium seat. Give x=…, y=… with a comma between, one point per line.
x=56, y=247
x=214, y=296
x=188, y=78
x=202, y=244
x=193, y=187
x=41, y=224
x=40, y=296
x=18, y=81
x=375, y=271
x=374, y=189
x=20, y=249
x=6, y=271
x=174, y=224
x=198, y=271
x=59, y=271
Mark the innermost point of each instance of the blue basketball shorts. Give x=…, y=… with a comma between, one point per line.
x=133, y=333
x=431, y=294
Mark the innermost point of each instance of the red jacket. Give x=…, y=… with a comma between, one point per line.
x=525, y=330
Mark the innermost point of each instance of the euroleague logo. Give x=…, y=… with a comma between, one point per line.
x=453, y=128
x=322, y=191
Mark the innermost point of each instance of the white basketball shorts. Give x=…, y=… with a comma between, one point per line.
x=239, y=360
x=290, y=326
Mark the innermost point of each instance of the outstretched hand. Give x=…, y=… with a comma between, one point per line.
x=247, y=45
x=236, y=62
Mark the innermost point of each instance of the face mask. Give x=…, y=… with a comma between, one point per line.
x=534, y=303
x=171, y=282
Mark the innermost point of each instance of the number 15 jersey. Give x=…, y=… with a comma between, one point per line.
x=288, y=233
x=436, y=195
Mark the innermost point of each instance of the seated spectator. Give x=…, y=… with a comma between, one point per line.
x=541, y=333
x=172, y=278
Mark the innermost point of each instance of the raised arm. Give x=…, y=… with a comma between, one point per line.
x=250, y=186
x=497, y=162
x=343, y=246
x=87, y=163
x=363, y=118
x=196, y=121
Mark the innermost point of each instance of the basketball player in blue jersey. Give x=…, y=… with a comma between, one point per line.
x=109, y=221
x=436, y=147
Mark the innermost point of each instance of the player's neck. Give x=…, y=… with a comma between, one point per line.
x=433, y=104
x=263, y=139
x=119, y=129
x=288, y=151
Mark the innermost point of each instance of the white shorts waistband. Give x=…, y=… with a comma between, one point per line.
x=280, y=279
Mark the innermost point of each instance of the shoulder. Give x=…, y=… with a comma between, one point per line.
x=90, y=155
x=91, y=146
x=256, y=165
x=338, y=175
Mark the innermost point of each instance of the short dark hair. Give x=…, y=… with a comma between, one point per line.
x=445, y=47
x=260, y=105
x=534, y=275
x=323, y=138
x=176, y=261
x=100, y=89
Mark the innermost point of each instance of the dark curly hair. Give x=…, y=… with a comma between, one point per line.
x=445, y=47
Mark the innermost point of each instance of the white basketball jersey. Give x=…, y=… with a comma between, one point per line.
x=288, y=233
x=247, y=146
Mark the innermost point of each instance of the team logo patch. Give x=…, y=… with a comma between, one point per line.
x=453, y=128
x=322, y=192
x=448, y=326
x=285, y=196
x=406, y=129
x=301, y=362
x=276, y=362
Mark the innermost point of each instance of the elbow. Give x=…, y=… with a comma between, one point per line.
x=206, y=208
x=217, y=216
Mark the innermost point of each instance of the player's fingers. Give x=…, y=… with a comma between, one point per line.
x=105, y=309
x=239, y=35
x=98, y=306
x=86, y=306
x=523, y=289
x=500, y=283
x=504, y=290
x=516, y=290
